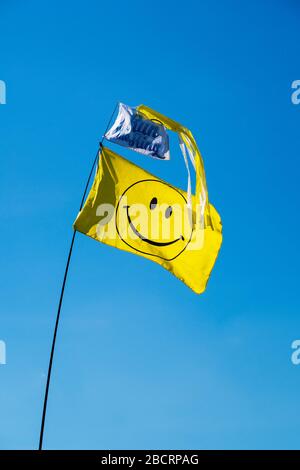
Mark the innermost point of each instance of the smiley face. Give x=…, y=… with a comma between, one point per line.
x=151, y=218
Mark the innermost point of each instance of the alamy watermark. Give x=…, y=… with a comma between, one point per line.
x=2, y=92
x=295, y=356
x=166, y=226
x=295, y=96
x=2, y=352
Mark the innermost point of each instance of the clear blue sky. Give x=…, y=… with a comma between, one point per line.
x=142, y=361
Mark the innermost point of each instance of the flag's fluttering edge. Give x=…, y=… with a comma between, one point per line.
x=135, y=211
x=145, y=136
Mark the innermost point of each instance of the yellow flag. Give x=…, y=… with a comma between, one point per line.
x=135, y=211
x=132, y=210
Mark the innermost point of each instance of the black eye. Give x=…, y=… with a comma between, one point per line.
x=153, y=203
x=168, y=212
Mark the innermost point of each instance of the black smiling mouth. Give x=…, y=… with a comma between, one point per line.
x=147, y=240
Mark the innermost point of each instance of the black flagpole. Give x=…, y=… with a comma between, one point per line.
x=62, y=293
